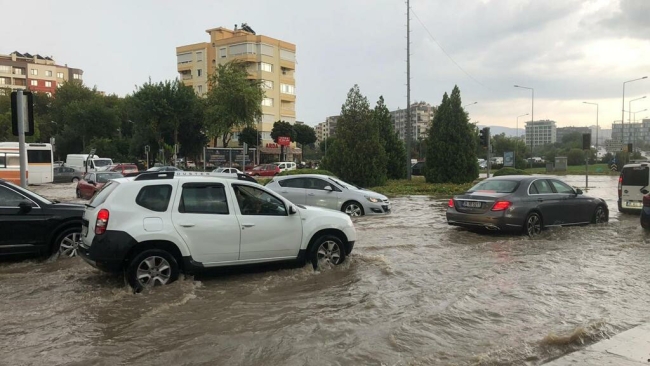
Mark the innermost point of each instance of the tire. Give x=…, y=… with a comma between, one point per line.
x=78, y=192
x=533, y=225
x=66, y=243
x=353, y=209
x=75, y=180
x=600, y=215
x=327, y=249
x=152, y=267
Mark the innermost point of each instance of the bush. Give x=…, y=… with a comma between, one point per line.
x=307, y=171
x=509, y=171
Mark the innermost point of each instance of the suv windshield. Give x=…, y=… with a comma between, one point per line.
x=495, y=186
x=102, y=162
x=636, y=176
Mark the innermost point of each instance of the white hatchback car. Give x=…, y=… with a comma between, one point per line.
x=157, y=225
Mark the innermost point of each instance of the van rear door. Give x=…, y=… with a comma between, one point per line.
x=634, y=180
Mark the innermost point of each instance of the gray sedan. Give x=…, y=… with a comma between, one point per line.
x=64, y=174
x=524, y=204
x=329, y=192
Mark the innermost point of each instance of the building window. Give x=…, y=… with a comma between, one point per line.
x=199, y=56
x=59, y=75
x=48, y=73
x=243, y=49
x=34, y=71
x=267, y=84
x=3, y=81
x=200, y=89
x=19, y=71
x=76, y=76
x=199, y=72
x=288, y=55
x=222, y=52
x=287, y=89
x=48, y=84
x=267, y=102
x=33, y=82
x=266, y=67
x=5, y=69
x=184, y=58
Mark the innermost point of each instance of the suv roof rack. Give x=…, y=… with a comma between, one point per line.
x=171, y=175
x=155, y=175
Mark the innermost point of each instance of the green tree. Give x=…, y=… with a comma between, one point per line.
x=233, y=101
x=394, y=147
x=305, y=135
x=357, y=155
x=327, y=143
x=282, y=129
x=249, y=135
x=501, y=143
x=451, y=145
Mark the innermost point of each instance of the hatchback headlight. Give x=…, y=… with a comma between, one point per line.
x=373, y=199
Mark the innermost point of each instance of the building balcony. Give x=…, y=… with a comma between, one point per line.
x=184, y=67
x=289, y=65
x=287, y=97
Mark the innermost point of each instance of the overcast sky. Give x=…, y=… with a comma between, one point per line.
x=568, y=50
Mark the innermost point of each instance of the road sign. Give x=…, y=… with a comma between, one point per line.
x=245, y=148
x=92, y=152
x=28, y=113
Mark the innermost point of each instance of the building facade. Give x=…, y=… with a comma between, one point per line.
x=564, y=131
x=540, y=133
x=636, y=133
x=327, y=128
x=421, y=114
x=269, y=60
x=34, y=73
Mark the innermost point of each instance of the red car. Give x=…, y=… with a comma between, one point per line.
x=264, y=170
x=123, y=168
x=93, y=182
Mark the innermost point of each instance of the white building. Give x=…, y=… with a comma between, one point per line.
x=540, y=133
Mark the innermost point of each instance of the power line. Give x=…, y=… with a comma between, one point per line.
x=447, y=54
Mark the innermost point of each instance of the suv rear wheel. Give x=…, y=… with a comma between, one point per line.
x=150, y=268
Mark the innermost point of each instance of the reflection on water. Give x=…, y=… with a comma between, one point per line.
x=414, y=292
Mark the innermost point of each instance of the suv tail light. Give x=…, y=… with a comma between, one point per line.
x=102, y=221
x=620, y=185
x=451, y=203
x=646, y=201
x=501, y=205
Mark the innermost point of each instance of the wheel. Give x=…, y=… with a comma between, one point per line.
x=75, y=180
x=600, y=215
x=533, y=224
x=66, y=243
x=78, y=193
x=150, y=268
x=327, y=249
x=353, y=209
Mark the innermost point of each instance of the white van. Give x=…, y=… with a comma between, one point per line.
x=286, y=165
x=632, y=186
x=94, y=162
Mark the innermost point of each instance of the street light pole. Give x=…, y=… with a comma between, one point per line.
x=532, y=120
x=596, y=104
x=517, y=141
x=623, y=109
x=467, y=105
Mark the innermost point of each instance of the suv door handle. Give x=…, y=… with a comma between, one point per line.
x=187, y=225
x=284, y=192
x=540, y=200
x=247, y=225
x=311, y=194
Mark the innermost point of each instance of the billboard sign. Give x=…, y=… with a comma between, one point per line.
x=508, y=158
x=284, y=140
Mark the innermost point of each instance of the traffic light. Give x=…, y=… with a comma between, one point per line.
x=586, y=141
x=630, y=148
x=484, y=136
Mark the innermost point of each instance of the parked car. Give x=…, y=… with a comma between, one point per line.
x=524, y=203
x=329, y=192
x=31, y=224
x=264, y=170
x=154, y=226
x=66, y=174
x=418, y=168
x=632, y=187
x=645, y=212
x=123, y=168
x=164, y=168
x=286, y=165
x=93, y=182
x=228, y=170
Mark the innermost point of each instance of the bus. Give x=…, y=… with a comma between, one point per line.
x=39, y=163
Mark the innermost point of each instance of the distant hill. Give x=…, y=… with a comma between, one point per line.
x=511, y=132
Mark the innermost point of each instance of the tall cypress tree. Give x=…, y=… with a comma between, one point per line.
x=395, y=150
x=357, y=155
x=451, y=145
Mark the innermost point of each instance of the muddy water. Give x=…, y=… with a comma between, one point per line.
x=414, y=292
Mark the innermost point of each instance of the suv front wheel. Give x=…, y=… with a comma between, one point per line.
x=327, y=249
x=150, y=268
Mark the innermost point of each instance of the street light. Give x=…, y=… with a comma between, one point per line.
x=623, y=108
x=596, y=104
x=532, y=120
x=517, y=141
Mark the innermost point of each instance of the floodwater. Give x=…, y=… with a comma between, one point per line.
x=414, y=292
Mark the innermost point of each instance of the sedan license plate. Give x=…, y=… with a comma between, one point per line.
x=84, y=230
x=472, y=204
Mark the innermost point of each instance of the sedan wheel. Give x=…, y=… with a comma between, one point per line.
x=600, y=216
x=353, y=209
x=78, y=193
x=75, y=180
x=69, y=244
x=533, y=225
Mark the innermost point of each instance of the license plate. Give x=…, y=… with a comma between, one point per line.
x=84, y=230
x=472, y=204
x=634, y=204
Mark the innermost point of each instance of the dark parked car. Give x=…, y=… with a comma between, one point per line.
x=66, y=174
x=31, y=224
x=93, y=182
x=645, y=212
x=418, y=168
x=524, y=203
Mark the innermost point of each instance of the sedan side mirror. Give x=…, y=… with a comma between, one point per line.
x=578, y=191
x=328, y=188
x=91, y=182
x=24, y=207
x=292, y=210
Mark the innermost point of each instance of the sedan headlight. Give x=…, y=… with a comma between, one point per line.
x=373, y=199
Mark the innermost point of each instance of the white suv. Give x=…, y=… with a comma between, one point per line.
x=157, y=225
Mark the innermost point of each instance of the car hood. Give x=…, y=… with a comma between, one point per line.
x=369, y=193
x=308, y=211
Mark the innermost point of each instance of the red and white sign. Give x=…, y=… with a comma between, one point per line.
x=284, y=140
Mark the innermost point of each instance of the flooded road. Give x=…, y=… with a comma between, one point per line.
x=414, y=292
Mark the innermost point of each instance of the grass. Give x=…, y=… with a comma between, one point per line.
x=417, y=186
x=596, y=169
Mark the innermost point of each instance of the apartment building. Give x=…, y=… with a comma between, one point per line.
x=421, y=116
x=326, y=129
x=540, y=133
x=561, y=132
x=34, y=73
x=636, y=133
x=270, y=60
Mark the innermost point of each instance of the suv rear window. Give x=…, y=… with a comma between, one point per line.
x=636, y=176
x=103, y=193
x=154, y=198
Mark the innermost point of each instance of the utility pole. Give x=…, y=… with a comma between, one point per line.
x=22, y=148
x=408, y=90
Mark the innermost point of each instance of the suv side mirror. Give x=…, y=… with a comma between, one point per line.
x=578, y=191
x=645, y=191
x=292, y=210
x=24, y=207
x=328, y=188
